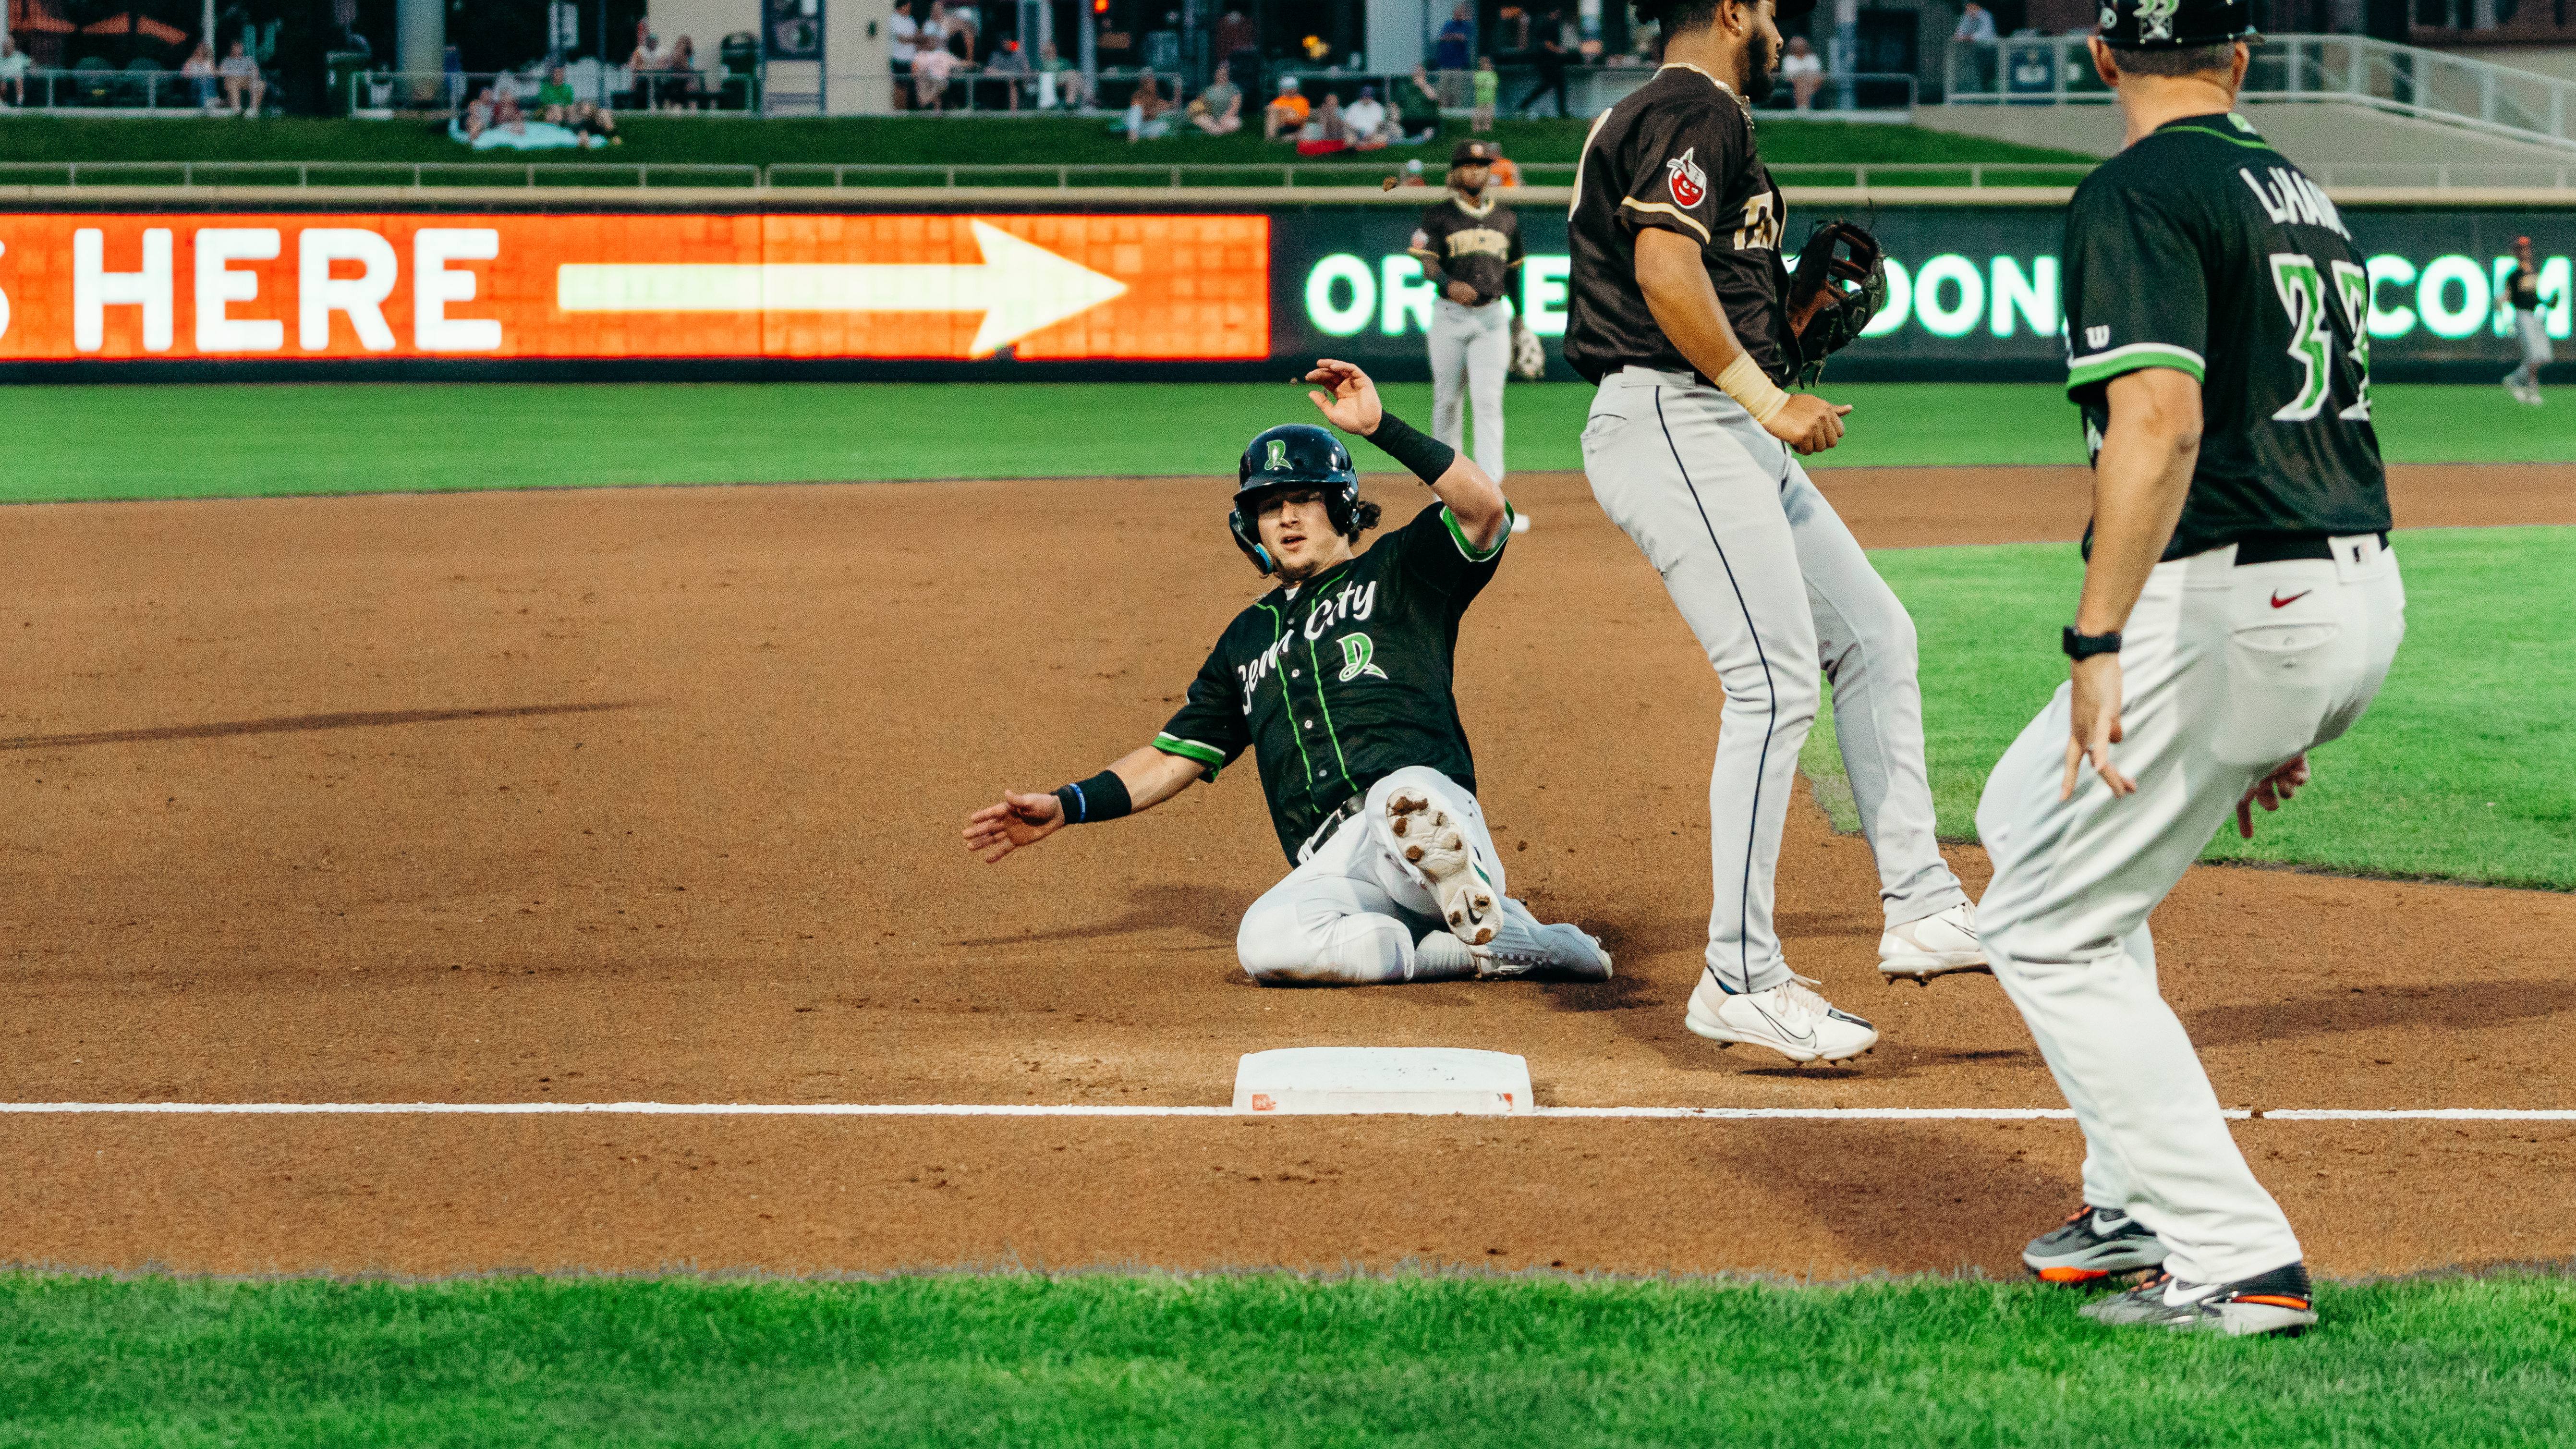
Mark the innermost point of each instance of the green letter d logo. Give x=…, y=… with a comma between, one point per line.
x=1356, y=650
x=1278, y=456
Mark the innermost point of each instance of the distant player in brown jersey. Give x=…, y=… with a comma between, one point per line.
x=2240, y=607
x=1469, y=246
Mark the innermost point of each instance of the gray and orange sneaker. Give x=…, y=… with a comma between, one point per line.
x=2274, y=1303
x=2093, y=1244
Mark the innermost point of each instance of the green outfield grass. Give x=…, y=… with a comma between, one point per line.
x=228, y=440
x=1255, y=1360
x=950, y=141
x=2465, y=767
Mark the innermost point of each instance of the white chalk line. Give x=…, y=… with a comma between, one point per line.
x=851, y=1109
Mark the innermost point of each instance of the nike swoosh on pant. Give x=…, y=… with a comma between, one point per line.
x=2281, y=603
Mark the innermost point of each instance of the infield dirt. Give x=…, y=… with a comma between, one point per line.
x=654, y=795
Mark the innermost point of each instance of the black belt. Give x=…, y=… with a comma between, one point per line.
x=2263, y=548
x=1347, y=810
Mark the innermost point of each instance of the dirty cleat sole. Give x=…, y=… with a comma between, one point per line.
x=1435, y=847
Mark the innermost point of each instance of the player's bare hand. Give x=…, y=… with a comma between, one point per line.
x=2095, y=726
x=1353, y=407
x=1460, y=293
x=1020, y=820
x=1809, y=423
x=2271, y=792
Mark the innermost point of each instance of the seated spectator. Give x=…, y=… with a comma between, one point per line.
x=198, y=68
x=1501, y=172
x=1010, y=65
x=686, y=89
x=596, y=125
x=242, y=81
x=1145, y=108
x=645, y=66
x=1803, y=71
x=1328, y=132
x=478, y=113
x=506, y=115
x=1367, y=119
x=1287, y=111
x=1219, y=109
x=1071, y=92
x=555, y=99
x=1417, y=107
x=930, y=67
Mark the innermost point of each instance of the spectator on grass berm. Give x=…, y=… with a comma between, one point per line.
x=2522, y=293
x=1452, y=53
x=555, y=99
x=1145, y=108
x=1367, y=120
x=1417, y=107
x=1550, y=57
x=1489, y=86
x=242, y=81
x=478, y=113
x=1803, y=71
x=593, y=124
x=1219, y=110
x=1010, y=64
x=13, y=73
x=1287, y=111
x=1329, y=131
x=930, y=67
x=903, y=36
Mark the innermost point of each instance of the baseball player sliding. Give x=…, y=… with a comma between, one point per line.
x=1338, y=681
x=1683, y=314
x=1470, y=244
x=2240, y=607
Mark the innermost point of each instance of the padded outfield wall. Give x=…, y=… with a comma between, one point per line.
x=149, y=286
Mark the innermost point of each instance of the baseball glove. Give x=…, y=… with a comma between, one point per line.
x=1840, y=284
x=1529, y=355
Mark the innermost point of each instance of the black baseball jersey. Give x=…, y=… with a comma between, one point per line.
x=2202, y=249
x=1342, y=680
x=1676, y=155
x=2522, y=289
x=1477, y=245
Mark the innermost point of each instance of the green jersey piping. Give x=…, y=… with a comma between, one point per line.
x=1278, y=628
x=1458, y=535
x=1335, y=735
x=2137, y=356
x=1172, y=744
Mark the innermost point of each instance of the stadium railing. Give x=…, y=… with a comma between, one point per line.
x=378, y=94
x=2404, y=80
x=861, y=176
x=96, y=89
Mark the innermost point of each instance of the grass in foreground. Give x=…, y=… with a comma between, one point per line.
x=236, y=440
x=2465, y=766
x=914, y=140
x=1255, y=1360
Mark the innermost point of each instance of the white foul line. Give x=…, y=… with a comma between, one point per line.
x=854, y=1109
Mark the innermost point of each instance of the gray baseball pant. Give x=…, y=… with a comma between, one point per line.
x=2534, y=332
x=1471, y=350
x=2226, y=672
x=1777, y=591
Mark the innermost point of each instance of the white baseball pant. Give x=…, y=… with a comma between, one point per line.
x=1776, y=589
x=2535, y=348
x=1351, y=911
x=1471, y=351
x=2226, y=673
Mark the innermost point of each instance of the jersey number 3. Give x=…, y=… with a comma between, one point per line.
x=2303, y=295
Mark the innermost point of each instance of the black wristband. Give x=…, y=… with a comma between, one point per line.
x=1102, y=797
x=1427, y=456
x=2080, y=647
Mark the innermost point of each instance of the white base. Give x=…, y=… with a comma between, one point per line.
x=1438, y=1081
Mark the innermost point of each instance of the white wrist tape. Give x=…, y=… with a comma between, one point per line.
x=1744, y=382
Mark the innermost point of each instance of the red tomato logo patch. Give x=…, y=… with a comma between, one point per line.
x=1689, y=183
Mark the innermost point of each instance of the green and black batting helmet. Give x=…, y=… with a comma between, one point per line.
x=1295, y=455
x=2175, y=24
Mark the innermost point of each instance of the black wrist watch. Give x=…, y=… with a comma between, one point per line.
x=2080, y=647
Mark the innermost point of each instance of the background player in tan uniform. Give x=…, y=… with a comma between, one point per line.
x=1679, y=313
x=1469, y=246
x=2240, y=607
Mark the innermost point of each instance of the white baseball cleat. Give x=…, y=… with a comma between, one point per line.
x=1788, y=1018
x=1933, y=946
x=1433, y=845
x=1523, y=946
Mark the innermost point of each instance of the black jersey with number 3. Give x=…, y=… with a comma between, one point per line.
x=2202, y=249
x=1676, y=155
x=1344, y=679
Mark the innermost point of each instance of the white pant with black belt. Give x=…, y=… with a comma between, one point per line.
x=2226, y=673
x=1471, y=350
x=1778, y=591
x=2535, y=347
x=1350, y=912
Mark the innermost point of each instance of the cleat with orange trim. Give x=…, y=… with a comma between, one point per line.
x=2275, y=1303
x=2093, y=1244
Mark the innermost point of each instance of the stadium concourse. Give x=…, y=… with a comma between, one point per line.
x=651, y=795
